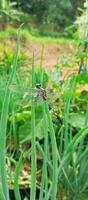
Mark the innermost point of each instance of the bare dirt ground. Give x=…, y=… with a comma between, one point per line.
x=51, y=52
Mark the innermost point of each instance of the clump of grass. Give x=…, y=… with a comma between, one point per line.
x=4, y=115
x=73, y=159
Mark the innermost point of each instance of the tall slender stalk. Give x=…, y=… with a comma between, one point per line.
x=41, y=67
x=33, y=150
x=66, y=110
x=2, y=196
x=54, y=153
x=45, y=150
x=44, y=181
x=16, y=178
x=3, y=127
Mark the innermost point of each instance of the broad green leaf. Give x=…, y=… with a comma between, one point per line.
x=77, y=120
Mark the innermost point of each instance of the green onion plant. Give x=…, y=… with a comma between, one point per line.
x=3, y=125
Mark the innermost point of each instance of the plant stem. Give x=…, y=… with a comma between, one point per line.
x=54, y=153
x=33, y=150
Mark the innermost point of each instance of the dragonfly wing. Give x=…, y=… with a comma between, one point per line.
x=30, y=92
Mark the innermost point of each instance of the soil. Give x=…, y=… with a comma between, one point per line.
x=51, y=52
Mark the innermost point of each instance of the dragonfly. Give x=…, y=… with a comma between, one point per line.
x=38, y=93
x=41, y=92
x=23, y=95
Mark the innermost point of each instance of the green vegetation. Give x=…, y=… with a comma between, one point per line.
x=43, y=106
x=36, y=35
x=53, y=15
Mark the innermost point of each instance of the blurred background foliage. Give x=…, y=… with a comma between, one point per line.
x=55, y=15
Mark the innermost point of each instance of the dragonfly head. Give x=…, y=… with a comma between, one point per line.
x=38, y=85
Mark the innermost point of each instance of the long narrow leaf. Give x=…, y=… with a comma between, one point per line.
x=54, y=153
x=3, y=126
x=33, y=150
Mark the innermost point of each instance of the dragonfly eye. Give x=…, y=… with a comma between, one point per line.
x=38, y=85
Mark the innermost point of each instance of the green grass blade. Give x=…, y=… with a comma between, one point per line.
x=41, y=67
x=45, y=150
x=43, y=156
x=44, y=181
x=54, y=153
x=16, y=178
x=33, y=150
x=3, y=127
x=33, y=72
x=71, y=147
x=2, y=196
x=66, y=110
